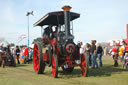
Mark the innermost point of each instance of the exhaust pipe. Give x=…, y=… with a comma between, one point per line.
x=67, y=20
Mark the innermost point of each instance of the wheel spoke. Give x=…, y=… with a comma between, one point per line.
x=54, y=66
x=36, y=58
x=83, y=66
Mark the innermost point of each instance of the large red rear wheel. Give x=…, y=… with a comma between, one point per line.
x=54, y=66
x=84, y=65
x=38, y=63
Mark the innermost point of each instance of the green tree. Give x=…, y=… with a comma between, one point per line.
x=12, y=44
x=39, y=39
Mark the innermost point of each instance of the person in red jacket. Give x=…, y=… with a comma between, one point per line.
x=26, y=54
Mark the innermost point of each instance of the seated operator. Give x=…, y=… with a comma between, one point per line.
x=47, y=33
x=48, y=30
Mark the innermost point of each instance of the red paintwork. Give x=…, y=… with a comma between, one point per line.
x=67, y=48
x=69, y=60
x=35, y=59
x=126, y=48
x=83, y=65
x=126, y=33
x=53, y=66
x=53, y=42
x=63, y=59
x=45, y=56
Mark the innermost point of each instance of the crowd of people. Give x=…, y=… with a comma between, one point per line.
x=23, y=55
x=93, y=51
x=121, y=52
x=18, y=54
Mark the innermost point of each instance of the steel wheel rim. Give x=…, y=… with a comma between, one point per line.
x=53, y=66
x=83, y=65
x=36, y=58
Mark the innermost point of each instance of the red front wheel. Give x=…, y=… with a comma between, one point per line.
x=54, y=66
x=84, y=65
x=38, y=62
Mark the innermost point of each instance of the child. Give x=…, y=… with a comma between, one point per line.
x=125, y=57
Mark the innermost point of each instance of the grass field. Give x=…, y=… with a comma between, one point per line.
x=25, y=75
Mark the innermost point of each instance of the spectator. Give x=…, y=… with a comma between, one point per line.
x=9, y=55
x=2, y=56
x=87, y=50
x=8, y=50
x=93, y=54
x=99, y=52
x=81, y=48
x=18, y=54
x=30, y=54
x=115, y=55
x=26, y=54
x=124, y=44
x=13, y=53
x=125, y=59
x=105, y=51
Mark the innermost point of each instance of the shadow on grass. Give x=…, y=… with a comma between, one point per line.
x=21, y=65
x=27, y=68
x=106, y=71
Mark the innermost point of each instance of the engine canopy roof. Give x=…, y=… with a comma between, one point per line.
x=55, y=18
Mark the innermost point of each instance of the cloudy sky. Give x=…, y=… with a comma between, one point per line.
x=102, y=20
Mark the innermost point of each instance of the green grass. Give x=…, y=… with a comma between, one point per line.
x=25, y=75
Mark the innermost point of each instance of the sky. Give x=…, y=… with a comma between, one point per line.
x=101, y=20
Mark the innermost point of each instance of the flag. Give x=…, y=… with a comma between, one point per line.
x=21, y=37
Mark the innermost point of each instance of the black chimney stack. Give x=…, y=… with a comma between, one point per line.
x=67, y=20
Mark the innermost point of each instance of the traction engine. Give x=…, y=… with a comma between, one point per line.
x=57, y=48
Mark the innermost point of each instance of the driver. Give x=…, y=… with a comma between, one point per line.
x=47, y=34
x=48, y=31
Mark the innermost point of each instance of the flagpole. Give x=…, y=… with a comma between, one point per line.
x=28, y=31
x=28, y=13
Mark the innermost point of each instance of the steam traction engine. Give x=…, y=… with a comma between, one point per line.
x=58, y=49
